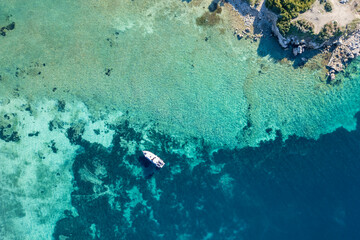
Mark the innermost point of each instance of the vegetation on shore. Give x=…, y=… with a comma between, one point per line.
x=288, y=10
x=253, y=2
x=328, y=7
x=305, y=29
x=328, y=31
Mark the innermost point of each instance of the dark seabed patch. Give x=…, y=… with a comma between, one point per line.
x=80, y=65
x=297, y=189
x=5, y=29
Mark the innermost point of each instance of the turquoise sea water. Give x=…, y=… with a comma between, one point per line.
x=87, y=85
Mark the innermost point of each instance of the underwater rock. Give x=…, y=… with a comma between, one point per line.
x=213, y=6
x=74, y=133
x=8, y=132
x=61, y=105
x=9, y=27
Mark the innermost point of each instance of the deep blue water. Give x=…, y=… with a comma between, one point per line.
x=203, y=82
x=297, y=189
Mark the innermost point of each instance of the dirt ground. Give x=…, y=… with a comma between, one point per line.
x=342, y=13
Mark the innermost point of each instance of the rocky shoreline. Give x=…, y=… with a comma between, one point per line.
x=346, y=50
x=342, y=48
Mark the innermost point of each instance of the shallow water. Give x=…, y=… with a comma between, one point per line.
x=87, y=85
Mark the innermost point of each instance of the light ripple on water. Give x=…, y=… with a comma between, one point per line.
x=163, y=72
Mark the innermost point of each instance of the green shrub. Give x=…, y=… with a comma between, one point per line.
x=253, y=2
x=302, y=26
x=328, y=7
x=353, y=25
x=328, y=31
x=288, y=9
x=305, y=25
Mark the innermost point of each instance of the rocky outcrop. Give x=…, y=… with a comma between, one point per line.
x=330, y=36
x=345, y=52
x=284, y=42
x=299, y=49
x=297, y=43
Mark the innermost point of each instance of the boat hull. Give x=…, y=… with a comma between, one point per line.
x=154, y=159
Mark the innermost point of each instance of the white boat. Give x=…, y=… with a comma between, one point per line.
x=154, y=159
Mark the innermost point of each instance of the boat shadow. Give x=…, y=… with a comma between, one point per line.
x=149, y=169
